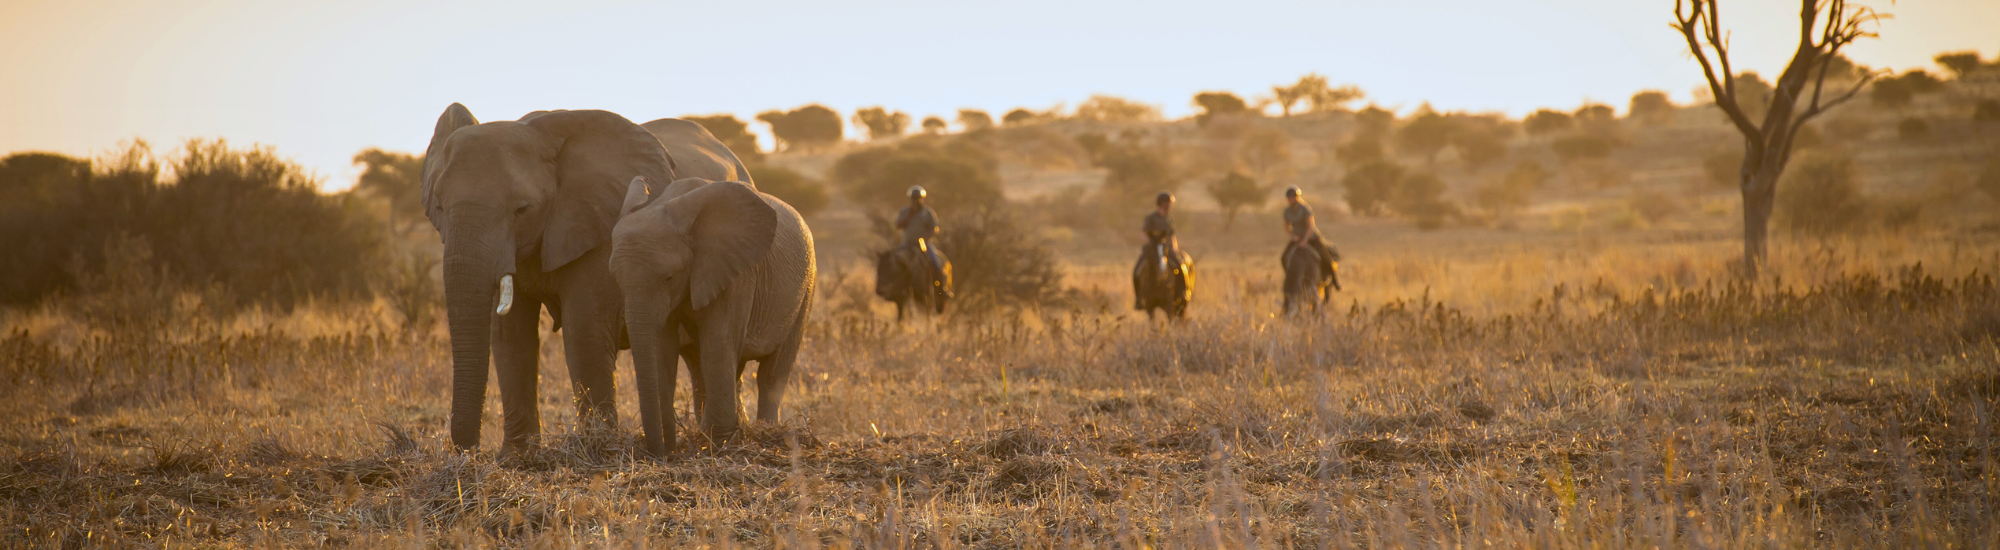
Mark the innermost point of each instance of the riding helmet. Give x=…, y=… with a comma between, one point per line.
x=1293, y=191
x=1163, y=198
x=917, y=191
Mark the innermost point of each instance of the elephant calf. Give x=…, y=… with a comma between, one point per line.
x=724, y=267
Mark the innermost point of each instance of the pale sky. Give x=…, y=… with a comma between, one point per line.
x=322, y=80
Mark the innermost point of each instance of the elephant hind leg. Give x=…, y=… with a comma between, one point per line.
x=774, y=373
x=697, y=386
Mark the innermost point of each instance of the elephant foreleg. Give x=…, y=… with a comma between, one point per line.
x=517, y=354
x=719, y=361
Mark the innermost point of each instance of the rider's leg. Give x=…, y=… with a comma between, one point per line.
x=1325, y=253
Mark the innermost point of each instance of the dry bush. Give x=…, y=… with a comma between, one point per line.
x=243, y=219
x=412, y=292
x=1821, y=196
x=997, y=264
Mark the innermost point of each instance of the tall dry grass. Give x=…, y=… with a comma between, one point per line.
x=1851, y=405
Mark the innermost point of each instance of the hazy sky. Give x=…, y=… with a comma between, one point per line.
x=322, y=80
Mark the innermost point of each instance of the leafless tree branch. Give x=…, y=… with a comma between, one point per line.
x=1724, y=88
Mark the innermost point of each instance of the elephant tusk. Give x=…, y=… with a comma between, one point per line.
x=506, y=295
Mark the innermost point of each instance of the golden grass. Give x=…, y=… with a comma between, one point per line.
x=1549, y=396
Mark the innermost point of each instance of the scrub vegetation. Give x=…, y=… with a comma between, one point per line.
x=1545, y=339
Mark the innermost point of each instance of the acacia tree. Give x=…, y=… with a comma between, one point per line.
x=974, y=120
x=1234, y=193
x=1287, y=96
x=1767, y=146
x=882, y=123
x=810, y=126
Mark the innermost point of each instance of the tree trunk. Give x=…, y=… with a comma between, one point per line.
x=1759, y=196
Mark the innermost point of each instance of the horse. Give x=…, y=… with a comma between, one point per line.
x=1307, y=281
x=903, y=275
x=1163, y=287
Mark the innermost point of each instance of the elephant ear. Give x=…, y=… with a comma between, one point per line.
x=731, y=229
x=456, y=116
x=597, y=155
x=637, y=194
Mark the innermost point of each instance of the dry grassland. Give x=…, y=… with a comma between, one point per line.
x=1557, y=395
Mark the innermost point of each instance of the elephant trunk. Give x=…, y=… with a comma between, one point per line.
x=655, y=366
x=473, y=275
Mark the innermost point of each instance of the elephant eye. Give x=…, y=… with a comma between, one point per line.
x=523, y=208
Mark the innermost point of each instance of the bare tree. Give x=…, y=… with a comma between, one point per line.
x=1768, y=146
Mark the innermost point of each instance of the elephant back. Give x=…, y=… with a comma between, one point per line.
x=696, y=153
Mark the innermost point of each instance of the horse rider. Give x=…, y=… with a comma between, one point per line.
x=1301, y=230
x=1158, y=230
x=920, y=227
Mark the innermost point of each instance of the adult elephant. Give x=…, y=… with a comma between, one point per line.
x=696, y=153
x=720, y=274
x=1307, y=279
x=525, y=209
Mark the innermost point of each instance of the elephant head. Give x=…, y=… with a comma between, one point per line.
x=535, y=193
x=680, y=249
